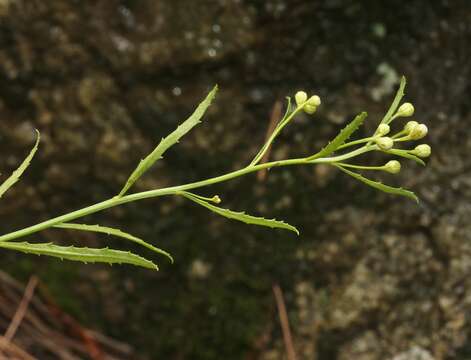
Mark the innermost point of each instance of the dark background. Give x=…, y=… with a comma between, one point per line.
x=371, y=276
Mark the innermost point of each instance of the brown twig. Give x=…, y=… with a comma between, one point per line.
x=283, y=315
x=12, y=351
x=22, y=308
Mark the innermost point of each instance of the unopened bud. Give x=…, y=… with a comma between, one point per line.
x=422, y=150
x=300, y=98
x=405, y=110
x=314, y=100
x=310, y=109
x=392, y=167
x=385, y=143
x=216, y=199
x=383, y=129
x=418, y=132
x=410, y=125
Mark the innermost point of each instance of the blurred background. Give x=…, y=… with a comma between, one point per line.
x=371, y=276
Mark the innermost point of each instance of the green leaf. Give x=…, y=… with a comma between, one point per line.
x=114, y=232
x=395, y=104
x=170, y=140
x=15, y=176
x=241, y=216
x=406, y=154
x=343, y=136
x=380, y=186
x=86, y=255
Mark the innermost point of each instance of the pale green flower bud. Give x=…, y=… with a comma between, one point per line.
x=383, y=129
x=418, y=132
x=300, y=97
x=422, y=150
x=410, y=125
x=392, y=167
x=385, y=143
x=310, y=109
x=405, y=110
x=314, y=100
x=216, y=199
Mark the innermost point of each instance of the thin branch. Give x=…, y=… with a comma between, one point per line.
x=22, y=308
x=283, y=315
x=274, y=118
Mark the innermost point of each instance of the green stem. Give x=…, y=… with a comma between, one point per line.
x=273, y=135
x=361, y=167
x=356, y=142
x=115, y=201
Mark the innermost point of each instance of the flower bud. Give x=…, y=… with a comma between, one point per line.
x=300, y=98
x=216, y=199
x=314, y=100
x=418, y=132
x=405, y=110
x=410, y=125
x=422, y=150
x=383, y=129
x=385, y=143
x=310, y=109
x=392, y=167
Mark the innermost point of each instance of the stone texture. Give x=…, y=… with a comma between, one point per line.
x=372, y=277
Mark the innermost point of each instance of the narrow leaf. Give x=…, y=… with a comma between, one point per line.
x=241, y=216
x=86, y=255
x=343, y=136
x=170, y=140
x=381, y=186
x=406, y=154
x=397, y=100
x=114, y=232
x=15, y=176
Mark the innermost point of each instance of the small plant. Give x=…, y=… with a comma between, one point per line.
x=345, y=151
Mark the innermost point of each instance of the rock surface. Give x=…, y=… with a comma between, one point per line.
x=371, y=277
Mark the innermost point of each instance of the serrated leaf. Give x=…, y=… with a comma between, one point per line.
x=170, y=140
x=84, y=254
x=241, y=216
x=15, y=176
x=380, y=186
x=397, y=100
x=406, y=154
x=343, y=136
x=114, y=232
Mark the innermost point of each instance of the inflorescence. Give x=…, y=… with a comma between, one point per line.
x=339, y=153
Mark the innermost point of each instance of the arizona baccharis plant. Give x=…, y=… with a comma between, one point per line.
x=340, y=153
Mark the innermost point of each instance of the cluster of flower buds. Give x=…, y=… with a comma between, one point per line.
x=411, y=131
x=308, y=105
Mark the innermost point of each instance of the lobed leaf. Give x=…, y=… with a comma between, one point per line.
x=241, y=216
x=381, y=186
x=15, y=176
x=114, y=232
x=407, y=155
x=395, y=104
x=343, y=136
x=170, y=140
x=86, y=255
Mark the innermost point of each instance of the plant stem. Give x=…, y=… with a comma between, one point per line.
x=115, y=201
x=356, y=142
